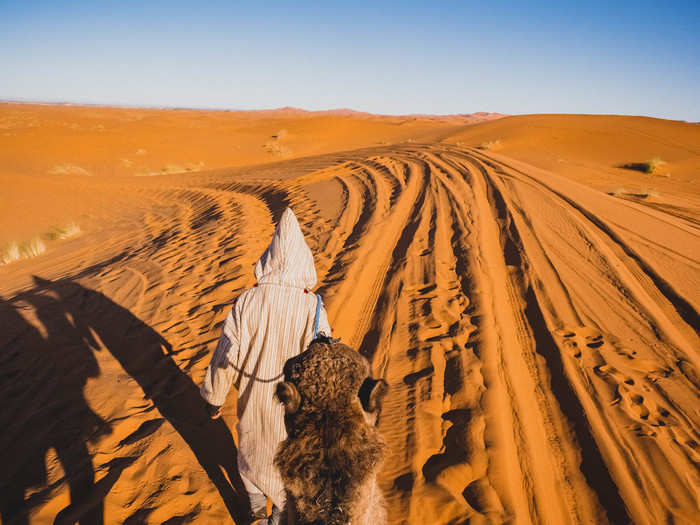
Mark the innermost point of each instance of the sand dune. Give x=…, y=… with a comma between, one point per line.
x=52, y=143
x=539, y=336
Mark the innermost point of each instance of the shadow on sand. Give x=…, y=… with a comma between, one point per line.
x=43, y=370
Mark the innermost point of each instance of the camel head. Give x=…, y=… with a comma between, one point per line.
x=333, y=449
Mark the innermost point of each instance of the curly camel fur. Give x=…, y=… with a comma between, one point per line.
x=332, y=453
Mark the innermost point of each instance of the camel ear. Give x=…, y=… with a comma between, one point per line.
x=376, y=396
x=372, y=394
x=289, y=396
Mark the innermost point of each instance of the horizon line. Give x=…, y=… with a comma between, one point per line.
x=303, y=110
x=232, y=109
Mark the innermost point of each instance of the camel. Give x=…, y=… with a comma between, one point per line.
x=333, y=451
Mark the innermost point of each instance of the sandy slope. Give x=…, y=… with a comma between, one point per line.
x=591, y=148
x=540, y=337
x=53, y=143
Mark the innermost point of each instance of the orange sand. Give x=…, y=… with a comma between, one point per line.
x=539, y=335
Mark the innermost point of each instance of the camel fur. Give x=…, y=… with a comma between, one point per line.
x=330, y=459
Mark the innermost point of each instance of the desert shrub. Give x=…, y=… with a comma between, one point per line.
x=650, y=166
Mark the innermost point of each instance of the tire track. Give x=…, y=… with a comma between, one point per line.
x=542, y=368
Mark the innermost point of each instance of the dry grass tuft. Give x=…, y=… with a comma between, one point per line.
x=174, y=168
x=32, y=248
x=491, y=144
x=35, y=246
x=650, y=166
x=10, y=253
x=63, y=232
x=275, y=145
x=644, y=193
x=277, y=148
x=68, y=169
x=195, y=167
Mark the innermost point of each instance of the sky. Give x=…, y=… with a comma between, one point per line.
x=638, y=58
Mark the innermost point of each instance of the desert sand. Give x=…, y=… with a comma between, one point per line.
x=532, y=304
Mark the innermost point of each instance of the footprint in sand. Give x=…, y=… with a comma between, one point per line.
x=576, y=339
x=594, y=341
x=570, y=342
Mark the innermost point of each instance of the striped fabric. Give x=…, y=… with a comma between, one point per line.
x=267, y=325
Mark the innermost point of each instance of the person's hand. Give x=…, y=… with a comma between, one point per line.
x=213, y=411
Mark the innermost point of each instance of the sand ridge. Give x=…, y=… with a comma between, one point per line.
x=53, y=148
x=539, y=338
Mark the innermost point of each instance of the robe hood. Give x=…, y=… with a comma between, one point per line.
x=288, y=259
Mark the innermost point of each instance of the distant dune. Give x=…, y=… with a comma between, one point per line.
x=528, y=286
x=47, y=142
x=344, y=112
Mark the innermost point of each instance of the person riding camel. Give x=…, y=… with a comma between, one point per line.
x=268, y=324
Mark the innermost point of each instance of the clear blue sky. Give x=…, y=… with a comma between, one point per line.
x=624, y=57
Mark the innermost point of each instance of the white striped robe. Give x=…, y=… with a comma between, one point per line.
x=267, y=325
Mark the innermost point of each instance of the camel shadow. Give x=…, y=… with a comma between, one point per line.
x=43, y=371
